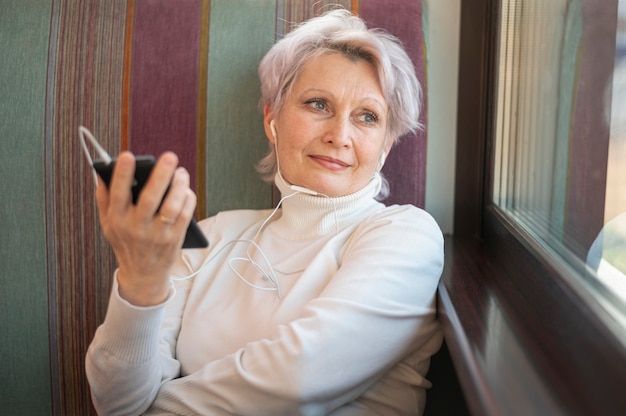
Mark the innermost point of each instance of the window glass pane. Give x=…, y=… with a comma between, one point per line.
x=560, y=136
x=612, y=241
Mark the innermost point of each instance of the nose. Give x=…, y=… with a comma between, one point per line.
x=339, y=132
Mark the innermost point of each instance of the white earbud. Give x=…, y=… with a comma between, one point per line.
x=273, y=129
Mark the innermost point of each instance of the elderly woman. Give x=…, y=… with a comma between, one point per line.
x=325, y=305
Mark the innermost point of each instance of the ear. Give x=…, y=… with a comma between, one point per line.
x=268, y=117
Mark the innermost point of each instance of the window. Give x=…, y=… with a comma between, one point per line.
x=525, y=321
x=559, y=128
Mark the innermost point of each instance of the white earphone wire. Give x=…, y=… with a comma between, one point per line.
x=84, y=132
x=270, y=274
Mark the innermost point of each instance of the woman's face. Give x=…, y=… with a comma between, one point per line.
x=330, y=132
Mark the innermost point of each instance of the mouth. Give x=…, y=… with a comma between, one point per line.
x=329, y=162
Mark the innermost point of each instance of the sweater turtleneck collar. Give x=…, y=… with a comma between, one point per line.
x=307, y=216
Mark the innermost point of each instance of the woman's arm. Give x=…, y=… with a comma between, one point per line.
x=378, y=308
x=133, y=352
x=124, y=365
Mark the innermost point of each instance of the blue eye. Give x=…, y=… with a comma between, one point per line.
x=317, y=104
x=369, y=117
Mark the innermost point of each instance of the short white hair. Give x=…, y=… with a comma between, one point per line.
x=339, y=31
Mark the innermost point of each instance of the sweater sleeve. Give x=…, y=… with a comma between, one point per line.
x=132, y=353
x=378, y=310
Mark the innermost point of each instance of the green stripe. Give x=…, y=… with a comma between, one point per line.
x=240, y=34
x=24, y=357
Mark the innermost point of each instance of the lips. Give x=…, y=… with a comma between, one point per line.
x=329, y=162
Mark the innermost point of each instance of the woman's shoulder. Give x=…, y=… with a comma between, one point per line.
x=405, y=227
x=400, y=237
x=406, y=215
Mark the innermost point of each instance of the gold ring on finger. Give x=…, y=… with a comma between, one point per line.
x=166, y=220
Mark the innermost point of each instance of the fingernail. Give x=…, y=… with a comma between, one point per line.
x=170, y=159
x=125, y=159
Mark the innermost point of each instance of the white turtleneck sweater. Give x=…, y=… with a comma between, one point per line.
x=347, y=328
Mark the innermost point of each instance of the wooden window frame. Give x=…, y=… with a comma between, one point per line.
x=522, y=337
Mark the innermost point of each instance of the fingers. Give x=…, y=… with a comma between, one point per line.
x=176, y=227
x=160, y=180
x=165, y=206
x=102, y=197
x=173, y=208
x=146, y=237
x=121, y=181
x=151, y=195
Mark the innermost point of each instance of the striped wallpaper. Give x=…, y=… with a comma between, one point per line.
x=144, y=75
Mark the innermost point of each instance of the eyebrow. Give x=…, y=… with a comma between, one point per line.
x=381, y=104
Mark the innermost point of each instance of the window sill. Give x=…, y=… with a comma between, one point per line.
x=520, y=346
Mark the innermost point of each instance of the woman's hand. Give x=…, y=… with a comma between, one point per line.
x=146, y=237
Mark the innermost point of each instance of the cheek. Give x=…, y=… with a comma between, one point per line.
x=296, y=139
x=370, y=159
x=372, y=148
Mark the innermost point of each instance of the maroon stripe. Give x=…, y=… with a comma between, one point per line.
x=164, y=83
x=406, y=166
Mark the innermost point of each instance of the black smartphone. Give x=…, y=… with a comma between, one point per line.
x=143, y=166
